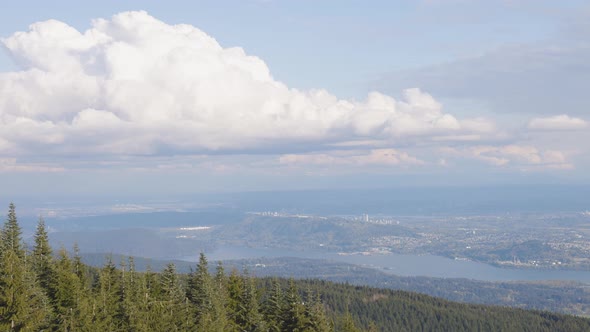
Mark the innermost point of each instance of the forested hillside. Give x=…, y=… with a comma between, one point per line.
x=43, y=291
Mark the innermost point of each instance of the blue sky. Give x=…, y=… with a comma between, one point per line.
x=251, y=95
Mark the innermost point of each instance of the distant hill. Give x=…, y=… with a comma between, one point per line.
x=560, y=297
x=346, y=307
x=391, y=310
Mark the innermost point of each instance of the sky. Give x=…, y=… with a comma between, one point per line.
x=177, y=97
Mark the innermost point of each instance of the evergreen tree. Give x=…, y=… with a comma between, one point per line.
x=315, y=313
x=175, y=305
x=11, y=234
x=220, y=275
x=39, y=312
x=67, y=293
x=108, y=314
x=42, y=261
x=234, y=293
x=85, y=304
x=219, y=315
x=248, y=316
x=347, y=323
x=199, y=288
x=79, y=268
x=23, y=304
x=130, y=291
x=139, y=300
x=373, y=327
x=273, y=307
x=293, y=313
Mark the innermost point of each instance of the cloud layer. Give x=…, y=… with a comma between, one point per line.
x=375, y=157
x=558, y=122
x=134, y=85
x=524, y=157
x=132, y=91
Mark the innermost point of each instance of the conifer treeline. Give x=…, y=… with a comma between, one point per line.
x=40, y=291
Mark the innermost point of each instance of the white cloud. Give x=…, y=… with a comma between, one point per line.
x=376, y=157
x=11, y=165
x=522, y=156
x=558, y=122
x=136, y=85
x=457, y=138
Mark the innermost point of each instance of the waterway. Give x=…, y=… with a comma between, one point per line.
x=411, y=265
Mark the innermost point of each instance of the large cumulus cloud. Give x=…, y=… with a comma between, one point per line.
x=134, y=85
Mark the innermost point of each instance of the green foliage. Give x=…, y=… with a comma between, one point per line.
x=234, y=292
x=43, y=265
x=108, y=314
x=172, y=305
x=62, y=294
x=11, y=234
x=315, y=313
x=200, y=292
x=23, y=304
x=218, y=319
x=347, y=324
x=248, y=316
x=293, y=310
x=272, y=308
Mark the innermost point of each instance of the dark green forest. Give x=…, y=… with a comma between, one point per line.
x=41, y=290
